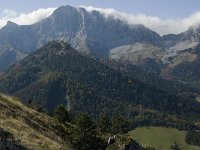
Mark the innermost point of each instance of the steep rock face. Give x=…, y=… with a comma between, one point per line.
x=65, y=24
x=118, y=142
x=7, y=141
x=78, y=26
x=87, y=32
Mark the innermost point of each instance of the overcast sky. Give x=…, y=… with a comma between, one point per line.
x=163, y=16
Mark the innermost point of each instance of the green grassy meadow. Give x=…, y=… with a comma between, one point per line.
x=161, y=138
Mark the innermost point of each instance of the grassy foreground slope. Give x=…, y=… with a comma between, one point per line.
x=161, y=138
x=34, y=130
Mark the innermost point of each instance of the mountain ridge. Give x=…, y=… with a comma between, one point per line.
x=92, y=33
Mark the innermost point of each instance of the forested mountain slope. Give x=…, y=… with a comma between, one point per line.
x=56, y=73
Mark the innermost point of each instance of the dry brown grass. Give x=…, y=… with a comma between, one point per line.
x=35, y=130
x=183, y=57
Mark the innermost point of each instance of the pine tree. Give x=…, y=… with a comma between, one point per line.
x=83, y=135
x=104, y=124
x=119, y=124
x=61, y=114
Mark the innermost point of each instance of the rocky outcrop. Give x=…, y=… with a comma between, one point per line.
x=8, y=142
x=123, y=143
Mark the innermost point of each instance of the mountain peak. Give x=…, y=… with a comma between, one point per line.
x=194, y=28
x=88, y=33
x=64, y=10
x=11, y=24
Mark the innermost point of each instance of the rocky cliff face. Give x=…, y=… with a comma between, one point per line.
x=119, y=142
x=7, y=141
x=185, y=40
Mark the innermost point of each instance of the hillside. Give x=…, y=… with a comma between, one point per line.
x=30, y=129
x=57, y=74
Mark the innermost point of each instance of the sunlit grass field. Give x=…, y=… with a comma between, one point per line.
x=161, y=138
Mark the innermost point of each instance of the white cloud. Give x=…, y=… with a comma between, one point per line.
x=9, y=14
x=162, y=26
x=25, y=18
